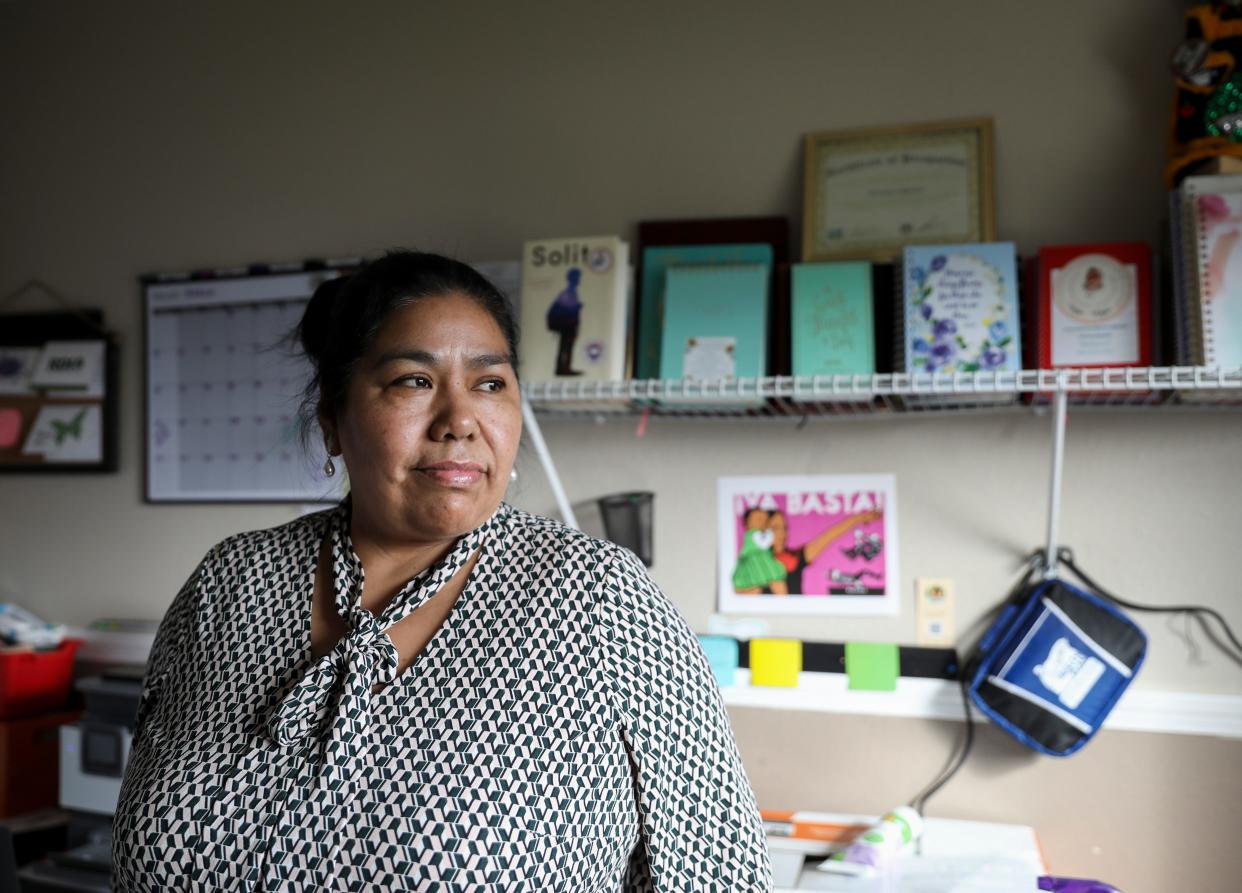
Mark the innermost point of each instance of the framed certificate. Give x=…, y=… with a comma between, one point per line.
x=869, y=193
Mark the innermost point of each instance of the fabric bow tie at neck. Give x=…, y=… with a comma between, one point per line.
x=365, y=656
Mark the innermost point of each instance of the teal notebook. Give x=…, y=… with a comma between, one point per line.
x=833, y=319
x=656, y=262
x=715, y=322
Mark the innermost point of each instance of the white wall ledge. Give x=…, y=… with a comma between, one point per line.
x=1140, y=710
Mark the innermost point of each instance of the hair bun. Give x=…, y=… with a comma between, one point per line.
x=316, y=326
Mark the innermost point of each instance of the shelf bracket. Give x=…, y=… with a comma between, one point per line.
x=545, y=459
x=1060, y=404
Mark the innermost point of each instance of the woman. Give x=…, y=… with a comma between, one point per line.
x=424, y=688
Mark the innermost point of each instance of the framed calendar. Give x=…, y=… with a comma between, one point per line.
x=223, y=385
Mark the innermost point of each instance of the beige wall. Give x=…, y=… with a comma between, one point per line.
x=1146, y=813
x=136, y=138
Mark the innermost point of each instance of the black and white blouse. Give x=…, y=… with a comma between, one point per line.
x=560, y=732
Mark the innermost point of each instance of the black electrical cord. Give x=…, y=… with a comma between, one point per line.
x=1066, y=556
x=965, y=670
x=961, y=752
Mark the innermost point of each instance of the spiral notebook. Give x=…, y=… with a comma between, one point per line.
x=1213, y=301
x=960, y=314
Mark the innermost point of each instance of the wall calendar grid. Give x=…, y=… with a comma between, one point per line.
x=223, y=389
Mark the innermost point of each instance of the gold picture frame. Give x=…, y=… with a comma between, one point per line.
x=869, y=193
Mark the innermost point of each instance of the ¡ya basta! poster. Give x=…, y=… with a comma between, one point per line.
x=824, y=544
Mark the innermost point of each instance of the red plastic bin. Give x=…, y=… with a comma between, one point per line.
x=34, y=682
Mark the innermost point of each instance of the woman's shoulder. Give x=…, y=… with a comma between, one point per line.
x=562, y=545
x=530, y=531
x=276, y=542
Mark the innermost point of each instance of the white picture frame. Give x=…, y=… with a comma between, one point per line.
x=838, y=546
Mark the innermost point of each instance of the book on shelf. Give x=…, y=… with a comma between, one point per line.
x=833, y=319
x=715, y=324
x=1095, y=307
x=656, y=263
x=960, y=309
x=1211, y=270
x=574, y=308
x=772, y=231
x=959, y=313
x=1180, y=274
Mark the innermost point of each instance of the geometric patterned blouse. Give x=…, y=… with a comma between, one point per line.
x=561, y=731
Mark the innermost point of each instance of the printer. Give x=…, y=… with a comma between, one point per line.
x=95, y=750
x=93, y=755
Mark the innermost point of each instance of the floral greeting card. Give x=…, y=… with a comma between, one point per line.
x=961, y=308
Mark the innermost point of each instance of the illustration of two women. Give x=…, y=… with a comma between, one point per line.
x=766, y=563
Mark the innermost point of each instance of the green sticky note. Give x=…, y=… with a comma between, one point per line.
x=872, y=666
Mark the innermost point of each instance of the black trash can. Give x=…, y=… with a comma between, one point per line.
x=627, y=521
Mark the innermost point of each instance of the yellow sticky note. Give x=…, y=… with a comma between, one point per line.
x=775, y=662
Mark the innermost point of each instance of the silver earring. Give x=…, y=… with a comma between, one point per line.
x=513, y=474
x=328, y=468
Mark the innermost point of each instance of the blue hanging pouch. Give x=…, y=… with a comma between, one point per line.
x=1053, y=665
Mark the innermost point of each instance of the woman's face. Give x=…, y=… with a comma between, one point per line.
x=431, y=422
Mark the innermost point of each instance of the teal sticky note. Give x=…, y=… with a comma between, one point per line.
x=872, y=666
x=722, y=654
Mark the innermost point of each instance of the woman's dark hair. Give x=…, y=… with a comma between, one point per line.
x=346, y=313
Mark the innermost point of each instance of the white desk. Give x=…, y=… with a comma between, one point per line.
x=954, y=857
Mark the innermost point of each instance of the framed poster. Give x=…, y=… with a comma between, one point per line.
x=823, y=544
x=223, y=389
x=58, y=393
x=870, y=193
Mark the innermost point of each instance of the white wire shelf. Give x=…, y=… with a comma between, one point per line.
x=871, y=396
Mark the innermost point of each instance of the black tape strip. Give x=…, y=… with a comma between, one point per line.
x=928, y=663
x=829, y=657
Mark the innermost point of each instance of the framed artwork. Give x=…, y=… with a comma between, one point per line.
x=223, y=388
x=821, y=544
x=58, y=392
x=870, y=193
